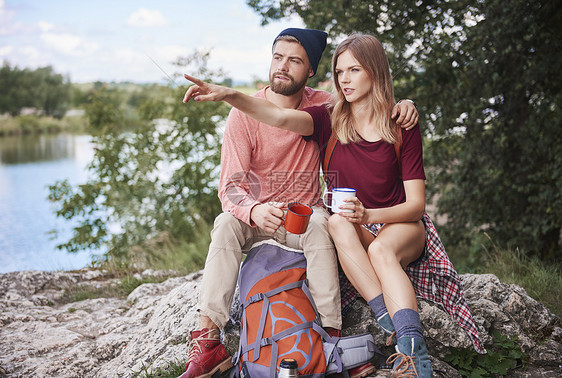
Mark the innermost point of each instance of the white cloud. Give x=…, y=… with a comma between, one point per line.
x=6, y=25
x=171, y=53
x=124, y=64
x=68, y=44
x=130, y=61
x=253, y=62
x=144, y=18
x=30, y=55
x=126, y=56
x=45, y=26
x=6, y=50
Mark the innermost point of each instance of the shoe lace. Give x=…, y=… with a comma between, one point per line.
x=406, y=368
x=389, y=338
x=195, y=347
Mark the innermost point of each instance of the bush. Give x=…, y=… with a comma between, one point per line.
x=504, y=355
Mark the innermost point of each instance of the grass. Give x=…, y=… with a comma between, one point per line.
x=184, y=257
x=32, y=124
x=164, y=253
x=161, y=253
x=173, y=370
x=120, y=289
x=541, y=281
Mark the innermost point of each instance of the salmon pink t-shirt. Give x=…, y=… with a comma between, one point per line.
x=370, y=167
x=262, y=164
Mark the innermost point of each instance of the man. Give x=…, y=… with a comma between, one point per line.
x=262, y=169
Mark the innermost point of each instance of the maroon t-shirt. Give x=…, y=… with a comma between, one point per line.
x=370, y=167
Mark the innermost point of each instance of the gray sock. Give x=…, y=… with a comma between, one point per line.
x=378, y=306
x=407, y=323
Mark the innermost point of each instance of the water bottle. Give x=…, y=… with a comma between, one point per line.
x=288, y=368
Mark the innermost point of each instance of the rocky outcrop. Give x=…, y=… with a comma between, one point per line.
x=110, y=337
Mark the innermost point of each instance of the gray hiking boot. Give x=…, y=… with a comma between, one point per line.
x=385, y=322
x=411, y=359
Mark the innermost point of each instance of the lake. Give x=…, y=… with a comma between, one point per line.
x=28, y=165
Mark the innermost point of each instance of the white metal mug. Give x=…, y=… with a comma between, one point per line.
x=338, y=197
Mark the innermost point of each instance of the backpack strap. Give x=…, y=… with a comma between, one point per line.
x=263, y=318
x=278, y=336
x=344, y=353
x=306, y=291
x=328, y=155
x=398, y=150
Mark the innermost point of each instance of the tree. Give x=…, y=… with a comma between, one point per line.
x=12, y=95
x=159, y=177
x=485, y=76
x=41, y=88
x=51, y=91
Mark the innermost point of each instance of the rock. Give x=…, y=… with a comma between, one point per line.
x=111, y=337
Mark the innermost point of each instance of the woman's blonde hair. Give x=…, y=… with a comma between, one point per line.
x=368, y=51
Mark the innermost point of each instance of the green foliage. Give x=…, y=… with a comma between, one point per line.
x=173, y=370
x=28, y=123
x=543, y=282
x=158, y=176
x=85, y=205
x=42, y=89
x=485, y=76
x=78, y=96
x=104, y=112
x=504, y=355
x=506, y=173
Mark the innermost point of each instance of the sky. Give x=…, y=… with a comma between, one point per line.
x=126, y=40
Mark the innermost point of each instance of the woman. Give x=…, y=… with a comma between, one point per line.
x=387, y=246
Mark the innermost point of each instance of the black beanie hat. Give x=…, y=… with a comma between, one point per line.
x=313, y=41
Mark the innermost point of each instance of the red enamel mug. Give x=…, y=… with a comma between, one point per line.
x=298, y=216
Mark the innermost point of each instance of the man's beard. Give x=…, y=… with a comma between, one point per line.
x=286, y=88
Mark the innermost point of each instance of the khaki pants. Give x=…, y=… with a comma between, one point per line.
x=231, y=237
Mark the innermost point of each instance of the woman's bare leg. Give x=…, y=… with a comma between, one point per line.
x=396, y=246
x=351, y=243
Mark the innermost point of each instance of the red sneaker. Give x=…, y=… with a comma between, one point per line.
x=206, y=356
x=333, y=332
x=361, y=371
